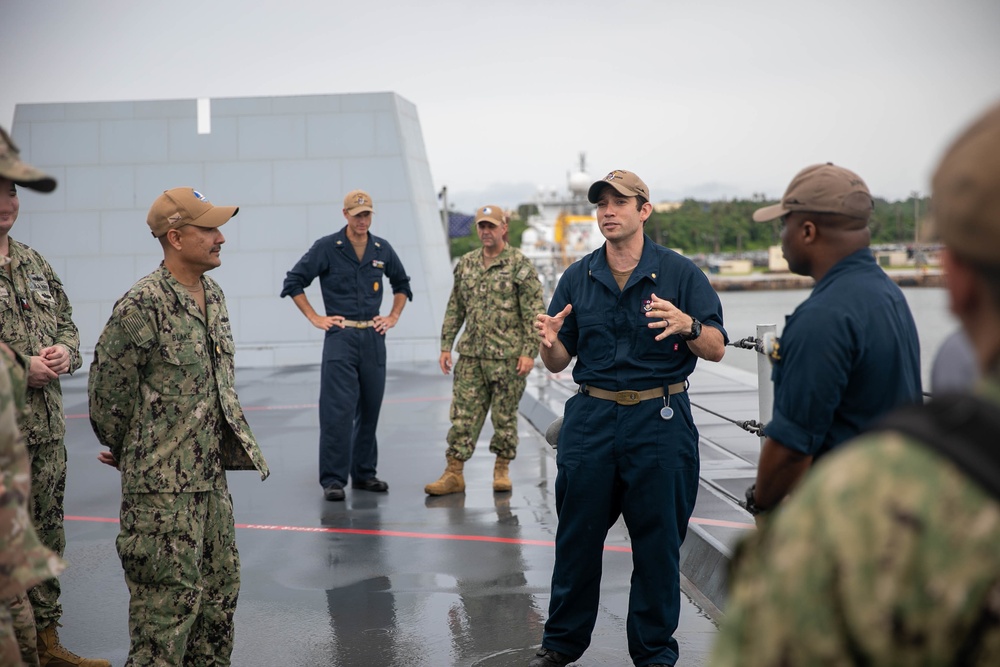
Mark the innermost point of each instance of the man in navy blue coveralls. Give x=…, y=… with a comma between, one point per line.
x=350, y=265
x=849, y=353
x=636, y=316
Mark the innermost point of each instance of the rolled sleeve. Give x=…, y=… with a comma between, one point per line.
x=398, y=279
x=304, y=272
x=810, y=379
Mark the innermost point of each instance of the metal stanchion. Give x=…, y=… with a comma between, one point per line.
x=766, y=334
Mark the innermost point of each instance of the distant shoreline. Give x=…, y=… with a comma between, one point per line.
x=925, y=277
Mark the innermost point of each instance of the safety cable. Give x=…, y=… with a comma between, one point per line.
x=748, y=343
x=749, y=425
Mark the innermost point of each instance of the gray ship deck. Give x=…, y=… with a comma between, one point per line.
x=400, y=578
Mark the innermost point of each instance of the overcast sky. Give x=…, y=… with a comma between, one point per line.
x=714, y=99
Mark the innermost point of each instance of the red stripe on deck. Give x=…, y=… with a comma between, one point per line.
x=311, y=406
x=422, y=536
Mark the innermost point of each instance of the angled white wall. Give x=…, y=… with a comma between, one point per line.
x=287, y=162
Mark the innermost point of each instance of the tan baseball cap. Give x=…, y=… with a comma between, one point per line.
x=492, y=214
x=21, y=173
x=822, y=188
x=965, y=202
x=186, y=206
x=623, y=181
x=357, y=201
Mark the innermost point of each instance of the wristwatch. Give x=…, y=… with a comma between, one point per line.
x=695, y=330
x=750, y=504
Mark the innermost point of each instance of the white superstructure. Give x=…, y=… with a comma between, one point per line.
x=564, y=230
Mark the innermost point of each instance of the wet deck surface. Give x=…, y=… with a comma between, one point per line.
x=380, y=579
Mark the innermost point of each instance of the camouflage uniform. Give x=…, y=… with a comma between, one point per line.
x=162, y=397
x=886, y=554
x=23, y=560
x=498, y=306
x=35, y=313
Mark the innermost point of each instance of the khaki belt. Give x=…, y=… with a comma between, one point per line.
x=355, y=324
x=629, y=397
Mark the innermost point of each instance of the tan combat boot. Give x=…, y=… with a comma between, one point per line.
x=501, y=478
x=451, y=480
x=53, y=654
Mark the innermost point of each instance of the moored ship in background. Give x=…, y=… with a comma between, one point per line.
x=563, y=230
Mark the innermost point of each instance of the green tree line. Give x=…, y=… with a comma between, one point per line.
x=698, y=226
x=727, y=226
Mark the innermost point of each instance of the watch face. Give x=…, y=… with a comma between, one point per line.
x=695, y=330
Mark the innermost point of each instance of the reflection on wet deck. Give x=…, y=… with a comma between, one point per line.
x=379, y=579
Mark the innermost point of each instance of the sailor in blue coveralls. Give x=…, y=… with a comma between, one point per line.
x=636, y=316
x=350, y=265
x=849, y=354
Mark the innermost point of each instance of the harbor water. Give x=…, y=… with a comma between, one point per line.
x=744, y=310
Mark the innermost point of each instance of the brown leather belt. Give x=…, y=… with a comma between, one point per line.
x=629, y=397
x=355, y=324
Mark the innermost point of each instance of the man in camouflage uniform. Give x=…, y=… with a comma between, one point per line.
x=36, y=322
x=496, y=295
x=163, y=398
x=24, y=561
x=887, y=552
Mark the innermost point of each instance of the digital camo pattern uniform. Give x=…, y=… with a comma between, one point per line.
x=35, y=313
x=498, y=306
x=18, y=637
x=885, y=555
x=23, y=560
x=163, y=398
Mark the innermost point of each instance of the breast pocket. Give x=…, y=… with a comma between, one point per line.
x=45, y=316
x=597, y=340
x=372, y=274
x=185, y=369
x=500, y=292
x=13, y=332
x=647, y=347
x=225, y=360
